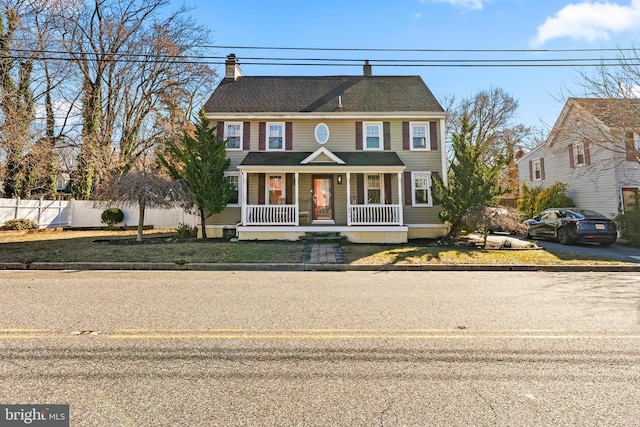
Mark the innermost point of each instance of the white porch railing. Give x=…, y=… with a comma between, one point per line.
x=374, y=215
x=271, y=215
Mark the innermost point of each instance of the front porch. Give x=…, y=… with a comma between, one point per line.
x=284, y=195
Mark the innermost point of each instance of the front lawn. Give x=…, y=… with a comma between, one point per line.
x=163, y=246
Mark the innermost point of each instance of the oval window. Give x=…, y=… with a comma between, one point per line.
x=322, y=133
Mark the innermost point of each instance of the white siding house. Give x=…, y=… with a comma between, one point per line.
x=591, y=149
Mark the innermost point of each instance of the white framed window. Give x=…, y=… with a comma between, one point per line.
x=419, y=136
x=421, y=189
x=537, y=170
x=275, y=189
x=636, y=141
x=373, y=136
x=234, y=180
x=275, y=136
x=579, y=153
x=233, y=135
x=374, y=189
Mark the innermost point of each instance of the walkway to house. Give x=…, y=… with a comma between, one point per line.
x=322, y=253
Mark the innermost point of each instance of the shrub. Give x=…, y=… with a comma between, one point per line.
x=20, y=224
x=487, y=219
x=111, y=216
x=534, y=200
x=185, y=231
x=628, y=225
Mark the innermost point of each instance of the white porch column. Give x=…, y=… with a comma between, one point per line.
x=348, y=198
x=297, y=199
x=245, y=189
x=400, y=201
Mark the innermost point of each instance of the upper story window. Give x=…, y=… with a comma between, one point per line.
x=636, y=141
x=419, y=136
x=233, y=135
x=275, y=136
x=537, y=170
x=579, y=159
x=373, y=136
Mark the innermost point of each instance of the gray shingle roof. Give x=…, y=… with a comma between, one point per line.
x=287, y=94
x=293, y=158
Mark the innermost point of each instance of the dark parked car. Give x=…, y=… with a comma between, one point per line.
x=571, y=226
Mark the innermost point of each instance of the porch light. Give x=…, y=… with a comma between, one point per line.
x=340, y=179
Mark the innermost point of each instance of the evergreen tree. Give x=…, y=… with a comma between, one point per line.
x=199, y=163
x=471, y=182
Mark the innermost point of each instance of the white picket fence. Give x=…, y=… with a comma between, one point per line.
x=85, y=213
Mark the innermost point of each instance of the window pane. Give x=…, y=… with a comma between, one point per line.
x=579, y=154
x=419, y=136
x=233, y=197
x=233, y=136
x=373, y=136
x=373, y=189
x=275, y=137
x=421, y=188
x=422, y=196
x=276, y=194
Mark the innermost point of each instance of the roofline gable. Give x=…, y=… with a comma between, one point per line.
x=319, y=152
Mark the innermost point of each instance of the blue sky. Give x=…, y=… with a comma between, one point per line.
x=432, y=24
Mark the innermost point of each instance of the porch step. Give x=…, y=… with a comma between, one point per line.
x=322, y=237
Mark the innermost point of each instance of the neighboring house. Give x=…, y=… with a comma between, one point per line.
x=354, y=155
x=593, y=148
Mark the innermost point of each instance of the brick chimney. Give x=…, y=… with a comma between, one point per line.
x=232, y=69
x=367, y=68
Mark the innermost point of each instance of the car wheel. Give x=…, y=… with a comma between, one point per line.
x=607, y=243
x=563, y=236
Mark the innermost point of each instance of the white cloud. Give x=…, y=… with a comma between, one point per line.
x=467, y=4
x=589, y=21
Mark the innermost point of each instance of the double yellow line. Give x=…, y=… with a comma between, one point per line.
x=314, y=334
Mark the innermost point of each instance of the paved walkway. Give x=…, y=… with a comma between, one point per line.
x=322, y=253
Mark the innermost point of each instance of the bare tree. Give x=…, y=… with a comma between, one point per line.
x=130, y=61
x=492, y=116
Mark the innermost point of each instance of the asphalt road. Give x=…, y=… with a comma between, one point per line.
x=316, y=349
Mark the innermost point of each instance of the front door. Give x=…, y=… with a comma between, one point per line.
x=322, y=201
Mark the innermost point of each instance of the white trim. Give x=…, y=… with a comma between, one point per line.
x=315, y=133
x=322, y=151
x=413, y=190
x=381, y=188
x=533, y=169
x=284, y=136
x=283, y=176
x=575, y=158
x=311, y=228
x=377, y=116
x=320, y=168
x=240, y=189
x=380, y=127
x=427, y=136
x=226, y=124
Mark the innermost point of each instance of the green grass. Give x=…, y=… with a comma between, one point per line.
x=161, y=246
x=76, y=246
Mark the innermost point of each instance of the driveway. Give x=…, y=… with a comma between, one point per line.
x=615, y=252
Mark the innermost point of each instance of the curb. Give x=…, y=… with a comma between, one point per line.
x=144, y=266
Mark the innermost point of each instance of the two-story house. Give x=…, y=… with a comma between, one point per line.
x=354, y=155
x=593, y=148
